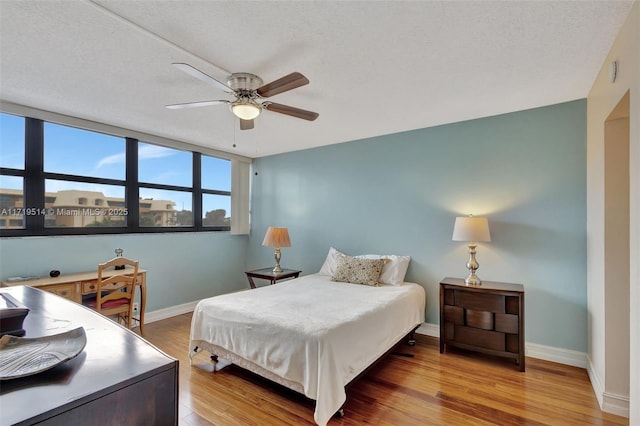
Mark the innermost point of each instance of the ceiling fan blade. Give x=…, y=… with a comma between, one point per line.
x=246, y=124
x=288, y=82
x=195, y=104
x=292, y=111
x=193, y=72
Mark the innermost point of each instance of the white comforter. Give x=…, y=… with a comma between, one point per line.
x=315, y=334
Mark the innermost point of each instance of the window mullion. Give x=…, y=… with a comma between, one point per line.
x=132, y=190
x=34, y=173
x=197, y=191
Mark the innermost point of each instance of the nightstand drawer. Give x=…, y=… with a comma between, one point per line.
x=454, y=314
x=507, y=323
x=480, y=319
x=480, y=301
x=481, y=338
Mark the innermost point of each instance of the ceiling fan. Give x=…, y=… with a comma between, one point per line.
x=249, y=90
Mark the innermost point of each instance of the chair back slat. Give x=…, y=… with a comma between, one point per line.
x=113, y=285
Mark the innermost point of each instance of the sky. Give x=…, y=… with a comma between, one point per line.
x=79, y=152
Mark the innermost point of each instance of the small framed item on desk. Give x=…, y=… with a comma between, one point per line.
x=272, y=277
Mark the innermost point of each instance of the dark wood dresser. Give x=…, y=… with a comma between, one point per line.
x=488, y=318
x=118, y=379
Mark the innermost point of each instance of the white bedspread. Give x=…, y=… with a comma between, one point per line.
x=309, y=331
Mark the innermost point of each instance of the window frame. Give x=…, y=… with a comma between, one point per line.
x=34, y=178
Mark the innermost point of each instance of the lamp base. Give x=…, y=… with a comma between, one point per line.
x=472, y=265
x=472, y=280
x=277, y=255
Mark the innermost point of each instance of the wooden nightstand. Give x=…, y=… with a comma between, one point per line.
x=488, y=318
x=268, y=274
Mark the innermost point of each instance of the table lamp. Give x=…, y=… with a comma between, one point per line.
x=472, y=230
x=277, y=237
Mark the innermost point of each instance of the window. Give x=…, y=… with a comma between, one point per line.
x=11, y=141
x=11, y=202
x=164, y=166
x=73, y=205
x=72, y=151
x=166, y=186
x=57, y=180
x=165, y=208
x=12, y=164
x=216, y=192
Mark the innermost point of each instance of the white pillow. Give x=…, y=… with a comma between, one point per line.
x=331, y=262
x=393, y=271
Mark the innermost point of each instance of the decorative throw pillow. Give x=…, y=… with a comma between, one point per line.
x=357, y=270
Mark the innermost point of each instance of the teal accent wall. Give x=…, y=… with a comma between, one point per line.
x=182, y=267
x=400, y=194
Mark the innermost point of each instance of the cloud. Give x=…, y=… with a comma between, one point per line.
x=154, y=151
x=111, y=159
x=145, y=152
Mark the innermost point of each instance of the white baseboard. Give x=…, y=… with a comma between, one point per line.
x=428, y=329
x=169, y=312
x=533, y=350
x=616, y=404
x=596, y=383
x=553, y=354
x=609, y=402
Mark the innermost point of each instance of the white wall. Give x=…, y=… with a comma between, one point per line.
x=604, y=96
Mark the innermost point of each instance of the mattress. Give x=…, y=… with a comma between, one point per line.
x=309, y=334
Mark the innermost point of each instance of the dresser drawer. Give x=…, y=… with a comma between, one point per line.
x=68, y=291
x=90, y=287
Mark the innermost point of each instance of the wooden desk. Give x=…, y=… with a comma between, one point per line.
x=74, y=286
x=268, y=274
x=119, y=378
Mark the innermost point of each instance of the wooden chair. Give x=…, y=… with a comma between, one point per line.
x=115, y=293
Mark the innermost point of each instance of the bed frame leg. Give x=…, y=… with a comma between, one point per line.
x=412, y=340
x=214, y=361
x=339, y=414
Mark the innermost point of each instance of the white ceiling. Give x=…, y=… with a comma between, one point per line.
x=375, y=67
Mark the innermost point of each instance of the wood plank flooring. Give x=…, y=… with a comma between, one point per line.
x=456, y=388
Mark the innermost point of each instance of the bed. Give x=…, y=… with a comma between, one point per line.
x=310, y=334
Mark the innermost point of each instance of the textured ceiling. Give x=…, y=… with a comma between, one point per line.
x=375, y=67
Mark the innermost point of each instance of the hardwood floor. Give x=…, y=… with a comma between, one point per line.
x=456, y=388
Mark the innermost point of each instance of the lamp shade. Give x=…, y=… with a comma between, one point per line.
x=277, y=237
x=472, y=229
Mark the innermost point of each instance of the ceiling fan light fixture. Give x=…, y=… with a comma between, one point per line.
x=246, y=110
